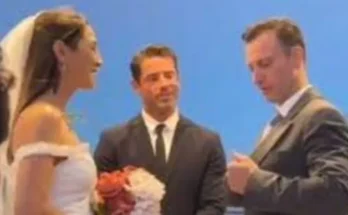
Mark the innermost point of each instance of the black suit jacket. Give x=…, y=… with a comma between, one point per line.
x=196, y=164
x=303, y=164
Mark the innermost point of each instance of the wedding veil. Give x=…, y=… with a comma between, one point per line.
x=15, y=46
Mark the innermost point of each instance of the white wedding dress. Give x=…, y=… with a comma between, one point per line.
x=75, y=177
x=74, y=180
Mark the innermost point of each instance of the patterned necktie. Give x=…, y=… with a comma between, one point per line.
x=270, y=126
x=276, y=120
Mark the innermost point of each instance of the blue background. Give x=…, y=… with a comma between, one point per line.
x=216, y=85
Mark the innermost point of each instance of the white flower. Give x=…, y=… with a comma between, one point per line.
x=148, y=192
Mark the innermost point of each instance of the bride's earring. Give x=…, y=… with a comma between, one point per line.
x=62, y=67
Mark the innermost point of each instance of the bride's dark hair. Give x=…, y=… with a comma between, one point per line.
x=6, y=81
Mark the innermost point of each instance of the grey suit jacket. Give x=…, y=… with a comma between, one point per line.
x=303, y=164
x=196, y=166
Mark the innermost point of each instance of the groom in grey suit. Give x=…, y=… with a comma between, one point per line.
x=300, y=165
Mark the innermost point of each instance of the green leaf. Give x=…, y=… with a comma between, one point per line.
x=99, y=209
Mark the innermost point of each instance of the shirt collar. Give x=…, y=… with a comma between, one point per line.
x=284, y=109
x=152, y=123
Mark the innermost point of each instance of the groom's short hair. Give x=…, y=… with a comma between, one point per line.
x=148, y=52
x=288, y=32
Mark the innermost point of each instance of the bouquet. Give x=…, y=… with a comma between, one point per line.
x=130, y=191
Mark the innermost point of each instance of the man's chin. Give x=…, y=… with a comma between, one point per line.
x=166, y=107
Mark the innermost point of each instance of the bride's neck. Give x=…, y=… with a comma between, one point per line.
x=59, y=99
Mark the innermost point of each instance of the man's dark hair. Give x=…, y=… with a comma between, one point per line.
x=148, y=52
x=287, y=31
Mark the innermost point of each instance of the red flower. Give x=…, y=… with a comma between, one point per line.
x=111, y=187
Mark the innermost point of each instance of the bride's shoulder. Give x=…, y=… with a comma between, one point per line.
x=41, y=115
x=39, y=123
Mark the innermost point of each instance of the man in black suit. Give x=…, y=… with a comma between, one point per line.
x=186, y=157
x=300, y=165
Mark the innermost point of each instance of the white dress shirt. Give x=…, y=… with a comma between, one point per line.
x=284, y=109
x=168, y=131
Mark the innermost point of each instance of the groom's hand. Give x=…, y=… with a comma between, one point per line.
x=239, y=171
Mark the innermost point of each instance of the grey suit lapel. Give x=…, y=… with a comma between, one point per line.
x=272, y=139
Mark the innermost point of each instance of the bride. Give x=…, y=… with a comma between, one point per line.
x=45, y=168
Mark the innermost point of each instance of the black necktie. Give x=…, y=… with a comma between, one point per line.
x=160, y=152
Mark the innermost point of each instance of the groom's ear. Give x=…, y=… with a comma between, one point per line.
x=59, y=50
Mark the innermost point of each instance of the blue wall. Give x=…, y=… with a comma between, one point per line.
x=217, y=89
